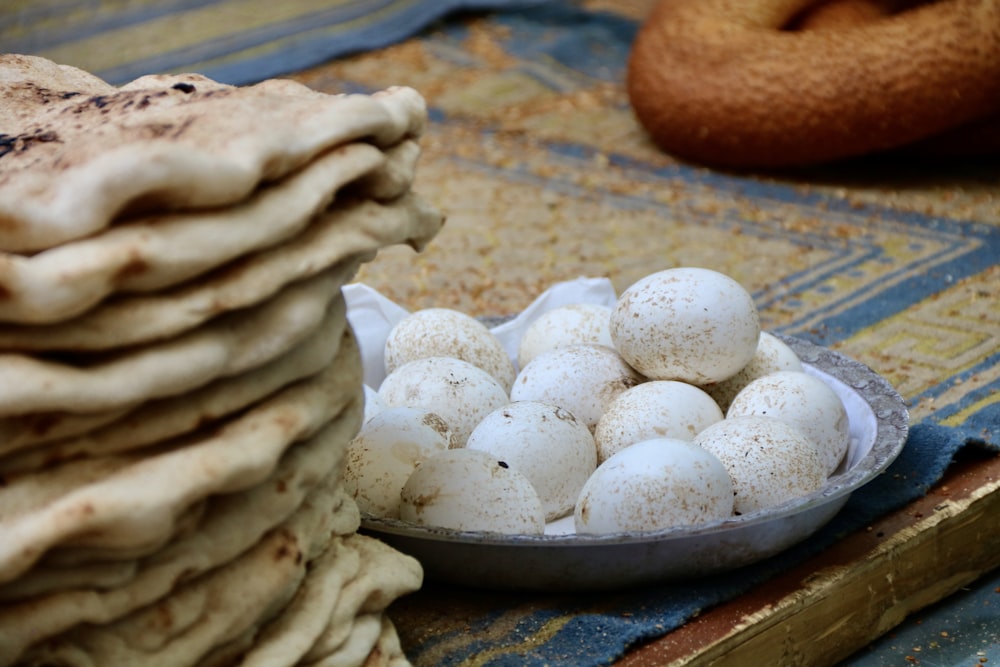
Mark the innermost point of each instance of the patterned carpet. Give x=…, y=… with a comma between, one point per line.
x=545, y=176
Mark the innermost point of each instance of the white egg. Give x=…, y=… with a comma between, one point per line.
x=652, y=485
x=386, y=451
x=655, y=409
x=769, y=461
x=443, y=332
x=462, y=394
x=583, y=379
x=373, y=404
x=553, y=449
x=690, y=324
x=468, y=489
x=772, y=355
x=573, y=324
x=804, y=401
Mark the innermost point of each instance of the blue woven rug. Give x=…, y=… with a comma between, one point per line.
x=232, y=41
x=895, y=265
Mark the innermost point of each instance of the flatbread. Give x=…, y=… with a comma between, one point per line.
x=410, y=219
x=365, y=631
x=127, y=501
x=248, y=513
x=159, y=420
x=21, y=431
x=342, y=237
x=38, y=581
x=86, y=154
x=34, y=428
x=374, y=642
x=163, y=250
x=233, y=523
x=226, y=346
x=395, y=177
x=385, y=575
x=342, y=599
x=211, y=610
x=283, y=641
x=75, y=556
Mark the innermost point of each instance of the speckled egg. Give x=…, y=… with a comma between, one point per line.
x=462, y=394
x=690, y=324
x=573, y=324
x=443, y=332
x=652, y=485
x=553, y=449
x=772, y=355
x=385, y=453
x=769, y=461
x=655, y=409
x=804, y=401
x=583, y=379
x=468, y=489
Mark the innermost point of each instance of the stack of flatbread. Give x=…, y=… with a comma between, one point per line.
x=178, y=381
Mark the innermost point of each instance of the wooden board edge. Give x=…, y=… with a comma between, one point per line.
x=840, y=610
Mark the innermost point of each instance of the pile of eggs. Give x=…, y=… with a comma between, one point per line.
x=671, y=408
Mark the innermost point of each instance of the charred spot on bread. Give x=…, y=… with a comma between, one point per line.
x=22, y=142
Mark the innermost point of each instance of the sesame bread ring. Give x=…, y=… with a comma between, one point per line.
x=760, y=84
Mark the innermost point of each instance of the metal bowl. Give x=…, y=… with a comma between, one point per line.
x=569, y=562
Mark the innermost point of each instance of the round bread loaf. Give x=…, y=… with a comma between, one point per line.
x=761, y=84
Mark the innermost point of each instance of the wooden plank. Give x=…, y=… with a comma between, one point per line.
x=823, y=611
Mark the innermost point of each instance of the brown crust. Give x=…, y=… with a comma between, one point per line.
x=728, y=83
